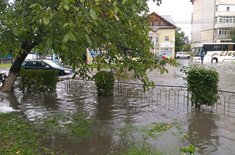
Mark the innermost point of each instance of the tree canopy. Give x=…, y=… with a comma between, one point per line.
x=118, y=29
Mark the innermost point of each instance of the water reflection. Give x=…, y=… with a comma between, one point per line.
x=8, y=102
x=49, y=101
x=99, y=144
x=203, y=132
x=104, y=108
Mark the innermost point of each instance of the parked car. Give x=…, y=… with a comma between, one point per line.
x=182, y=55
x=46, y=64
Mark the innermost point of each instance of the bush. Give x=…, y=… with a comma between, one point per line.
x=38, y=80
x=104, y=82
x=203, y=85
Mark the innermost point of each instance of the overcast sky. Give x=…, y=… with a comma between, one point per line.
x=179, y=10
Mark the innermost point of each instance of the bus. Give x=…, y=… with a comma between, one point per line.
x=214, y=52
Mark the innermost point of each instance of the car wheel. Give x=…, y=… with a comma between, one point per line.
x=214, y=60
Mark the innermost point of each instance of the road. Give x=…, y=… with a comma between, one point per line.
x=175, y=76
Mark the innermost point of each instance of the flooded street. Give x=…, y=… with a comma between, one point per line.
x=121, y=120
x=175, y=76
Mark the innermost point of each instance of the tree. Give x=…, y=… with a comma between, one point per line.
x=181, y=41
x=68, y=27
x=233, y=35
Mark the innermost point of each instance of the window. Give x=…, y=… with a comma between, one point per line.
x=41, y=64
x=228, y=8
x=226, y=19
x=157, y=39
x=207, y=47
x=155, y=23
x=225, y=47
x=31, y=63
x=167, y=38
x=151, y=39
x=216, y=48
x=223, y=31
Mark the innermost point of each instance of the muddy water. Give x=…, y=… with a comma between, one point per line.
x=175, y=76
x=211, y=131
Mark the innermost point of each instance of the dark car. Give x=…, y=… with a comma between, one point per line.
x=46, y=64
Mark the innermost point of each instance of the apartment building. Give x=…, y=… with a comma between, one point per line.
x=212, y=21
x=162, y=35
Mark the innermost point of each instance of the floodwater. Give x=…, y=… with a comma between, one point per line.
x=175, y=75
x=211, y=131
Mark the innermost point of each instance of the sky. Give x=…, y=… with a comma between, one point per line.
x=179, y=10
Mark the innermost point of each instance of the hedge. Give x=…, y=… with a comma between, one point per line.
x=38, y=80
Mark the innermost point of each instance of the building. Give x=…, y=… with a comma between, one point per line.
x=212, y=21
x=162, y=35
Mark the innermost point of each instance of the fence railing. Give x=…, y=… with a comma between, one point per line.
x=161, y=95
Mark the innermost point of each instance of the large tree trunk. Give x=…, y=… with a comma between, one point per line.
x=13, y=72
x=15, y=68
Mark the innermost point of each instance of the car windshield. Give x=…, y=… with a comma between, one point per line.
x=53, y=64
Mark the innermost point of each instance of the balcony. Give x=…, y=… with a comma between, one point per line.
x=224, y=13
x=222, y=37
x=224, y=25
x=155, y=28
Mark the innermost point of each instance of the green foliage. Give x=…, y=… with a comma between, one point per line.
x=17, y=136
x=186, y=47
x=21, y=137
x=38, y=80
x=80, y=127
x=5, y=66
x=158, y=128
x=104, y=81
x=203, y=85
x=233, y=35
x=181, y=41
x=190, y=149
x=75, y=125
x=145, y=150
x=116, y=28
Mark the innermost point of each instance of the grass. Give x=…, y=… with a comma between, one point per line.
x=145, y=150
x=5, y=66
x=18, y=136
x=22, y=137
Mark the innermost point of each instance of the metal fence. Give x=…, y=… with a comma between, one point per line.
x=161, y=95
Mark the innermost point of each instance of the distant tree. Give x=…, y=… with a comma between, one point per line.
x=69, y=27
x=233, y=35
x=186, y=47
x=181, y=41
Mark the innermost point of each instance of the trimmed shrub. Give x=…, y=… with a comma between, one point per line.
x=104, y=81
x=203, y=85
x=38, y=80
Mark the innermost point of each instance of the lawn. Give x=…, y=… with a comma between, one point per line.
x=5, y=66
